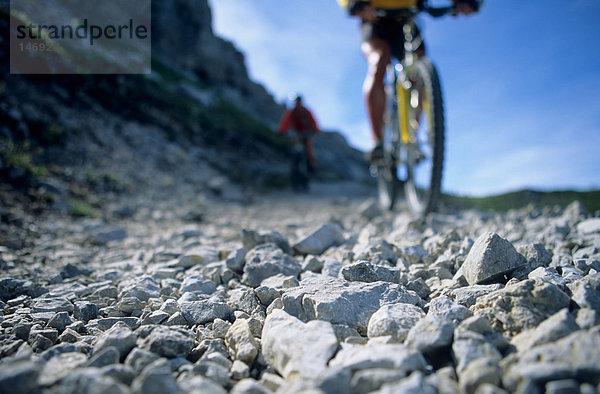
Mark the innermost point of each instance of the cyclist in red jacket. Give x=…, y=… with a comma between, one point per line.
x=304, y=126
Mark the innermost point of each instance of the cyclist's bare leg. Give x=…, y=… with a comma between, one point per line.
x=377, y=53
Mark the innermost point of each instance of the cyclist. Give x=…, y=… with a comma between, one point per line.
x=303, y=125
x=382, y=38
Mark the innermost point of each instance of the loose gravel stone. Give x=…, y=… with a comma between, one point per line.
x=375, y=355
x=395, y=320
x=197, y=284
x=170, y=343
x=372, y=379
x=236, y=259
x=85, y=311
x=107, y=323
x=296, y=347
x=106, y=356
x=118, y=336
x=328, y=235
x=20, y=377
x=59, y=304
x=249, y=386
x=555, y=327
x=589, y=226
x=139, y=358
x=202, y=312
x=251, y=239
x=92, y=381
x=239, y=370
x=467, y=296
x=60, y=321
x=129, y=304
x=143, y=288
x=80, y=347
x=213, y=371
x=241, y=343
x=265, y=261
x=59, y=367
x=201, y=385
x=431, y=334
x=156, y=378
x=363, y=271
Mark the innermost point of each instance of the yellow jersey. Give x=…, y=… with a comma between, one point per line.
x=384, y=4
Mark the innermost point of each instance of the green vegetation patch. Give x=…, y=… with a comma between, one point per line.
x=227, y=116
x=520, y=199
x=20, y=156
x=81, y=208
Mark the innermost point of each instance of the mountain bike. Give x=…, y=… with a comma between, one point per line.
x=413, y=124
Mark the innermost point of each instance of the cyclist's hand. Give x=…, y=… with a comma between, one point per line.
x=366, y=13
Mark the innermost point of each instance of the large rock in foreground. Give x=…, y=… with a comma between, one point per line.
x=292, y=346
x=573, y=357
x=490, y=257
x=341, y=302
x=520, y=306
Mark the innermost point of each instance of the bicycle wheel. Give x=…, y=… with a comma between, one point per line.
x=387, y=186
x=387, y=178
x=305, y=173
x=425, y=151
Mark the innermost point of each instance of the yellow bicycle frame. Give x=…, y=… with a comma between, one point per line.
x=403, y=89
x=404, y=107
x=403, y=112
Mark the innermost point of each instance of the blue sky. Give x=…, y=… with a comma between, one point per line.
x=521, y=83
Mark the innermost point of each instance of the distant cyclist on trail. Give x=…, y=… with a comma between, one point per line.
x=382, y=38
x=304, y=126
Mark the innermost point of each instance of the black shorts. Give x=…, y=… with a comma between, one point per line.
x=388, y=30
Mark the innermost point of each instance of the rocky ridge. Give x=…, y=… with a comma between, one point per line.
x=198, y=119
x=287, y=295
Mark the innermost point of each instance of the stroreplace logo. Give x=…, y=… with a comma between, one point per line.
x=80, y=37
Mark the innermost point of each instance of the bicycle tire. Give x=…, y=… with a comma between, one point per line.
x=387, y=177
x=422, y=194
x=387, y=186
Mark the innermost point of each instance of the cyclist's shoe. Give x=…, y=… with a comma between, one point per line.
x=376, y=155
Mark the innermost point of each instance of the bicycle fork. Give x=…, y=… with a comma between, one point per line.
x=410, y=105
x=403, y=97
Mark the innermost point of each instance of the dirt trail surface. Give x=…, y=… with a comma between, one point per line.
x=177, y=291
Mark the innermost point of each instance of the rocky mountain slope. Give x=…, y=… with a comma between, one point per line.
x=196, y=120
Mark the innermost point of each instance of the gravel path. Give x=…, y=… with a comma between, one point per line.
x=175, y=291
